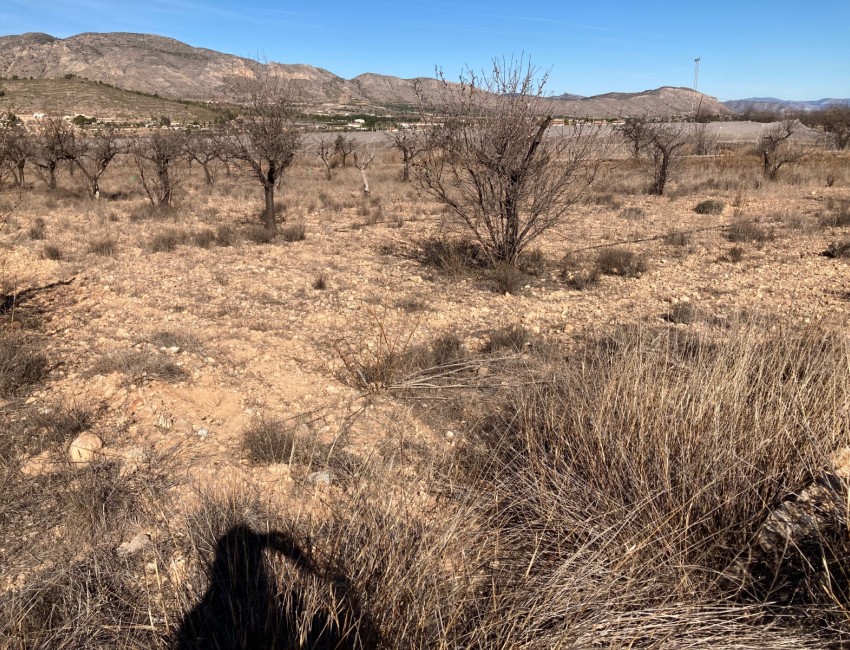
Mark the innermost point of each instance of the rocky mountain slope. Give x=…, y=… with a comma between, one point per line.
x=774, y=105
x=169, y=68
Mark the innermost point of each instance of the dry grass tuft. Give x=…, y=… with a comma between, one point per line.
x=138, y=365
x=621, y=261
x=746, y=231
x=21, y=363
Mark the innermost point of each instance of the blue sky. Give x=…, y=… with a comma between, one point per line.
x=791, y=50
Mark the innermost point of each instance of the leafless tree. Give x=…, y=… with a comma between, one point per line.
x=53, y=143
x=778, y=148
x=205, y=148
x=157, y=158
x=661, y=146
x=634, y=130
x=362, y=160
x=705, y=142
x=265, y=139
x=94, y=153
x=495, y=161
x=10, y=136
x=327, y=154
x=15, y=147
x=344, y=147
x=836, y=122
x=406, y=141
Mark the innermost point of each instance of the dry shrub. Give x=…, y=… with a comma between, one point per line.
x=320, y=282
x=709, y=206
x=167, y=240
x=735, y=254
x=38, y=231
x=86, y=595
x=453, y=257
x=226, y=235
x=621, y=261
x=682, y=313
x=385, y=357
x=648, y=462
x=21, y=363
x=678, y=238
x=293, y=232
x=204, y=238
x=139, y=365
x=632, y=213
x=579, y=272
x=506, y=278
x=837, y=214
x=106, y=246
x=746, y=231
x=259, y=235
x=838, y=249
x=270, y=440
x=52, y=252
x=511, y=338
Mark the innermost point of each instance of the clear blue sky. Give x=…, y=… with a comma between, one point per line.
x=791, y=50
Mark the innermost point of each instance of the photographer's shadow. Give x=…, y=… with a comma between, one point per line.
x=242, y=608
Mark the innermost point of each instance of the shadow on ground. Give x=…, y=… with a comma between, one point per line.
x=246, y=607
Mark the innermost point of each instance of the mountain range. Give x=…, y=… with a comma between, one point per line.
x=171, y=69
x=774, y=105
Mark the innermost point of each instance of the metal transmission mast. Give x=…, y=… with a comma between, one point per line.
x=696, y=72
x=696, y=82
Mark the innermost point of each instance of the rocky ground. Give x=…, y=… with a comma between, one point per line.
x=179, y=350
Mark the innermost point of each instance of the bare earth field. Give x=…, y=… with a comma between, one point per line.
x=177, y=337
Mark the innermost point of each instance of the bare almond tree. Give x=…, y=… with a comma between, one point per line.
x=205, y=148
x=406, y=141
x=94, y=153
x=53, y=143
x=362, y=160
x=660, y=146
x=836, y=122
x=266, y=137
x=494, y=159
x=705, y=141
x=344, y=147
x=15, y=148
x=157, y=157
x=778, y=148
x=327, y=154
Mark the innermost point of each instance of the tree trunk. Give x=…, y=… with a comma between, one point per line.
x=51, y=176
x=510, y=234
x=328, y=175
x=365, y=181
x=19, y=179
x=661, y=175
x=165, y=186
x=269, y=221
x=405, y=172
x=208, y=179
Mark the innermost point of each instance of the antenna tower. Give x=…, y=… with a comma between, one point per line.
x=696, y=72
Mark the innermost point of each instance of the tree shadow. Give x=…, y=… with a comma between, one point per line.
x=245, y=608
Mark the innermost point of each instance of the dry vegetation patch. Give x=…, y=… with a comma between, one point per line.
x=419, y=448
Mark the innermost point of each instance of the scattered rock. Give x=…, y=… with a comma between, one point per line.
x=85, y=448
x=324, y=477
x=139, y=542
x=182, y=426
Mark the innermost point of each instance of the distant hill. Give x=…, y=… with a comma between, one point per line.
x=774, y=105
x=175, y=70
x=76, y=96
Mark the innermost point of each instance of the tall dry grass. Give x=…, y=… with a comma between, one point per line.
x=607, y=499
